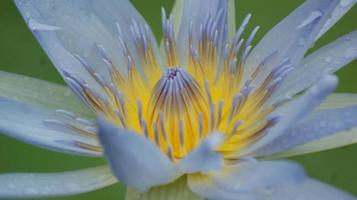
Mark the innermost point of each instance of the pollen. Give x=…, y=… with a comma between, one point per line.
x=177, y=104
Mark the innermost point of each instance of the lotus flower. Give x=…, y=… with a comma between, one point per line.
x=202, y=116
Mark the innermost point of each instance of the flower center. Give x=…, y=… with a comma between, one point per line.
x=177, y=106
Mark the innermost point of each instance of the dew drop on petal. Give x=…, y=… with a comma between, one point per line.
x=328, y=59
x=11, y=186
x=350, y=53
x=266, y=191
x=67, y=93
x=345, y=3
x=72, y=186
x=285, y=141
x=314, y=15
x=102, y=177
x=301, y=41
x=328, y=22
x=323, y=123
x=31, y=191
x=34, y=25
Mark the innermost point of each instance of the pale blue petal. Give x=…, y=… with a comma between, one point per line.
x=291, y=37
x=202, y=186
x=178, y=14
x=293, y=112
x=339, y=100
x=134, y=160
x=41, y=93
x=245, y=180
x=203, y=158
x=195, y=13
x=310, y=189
x=66, y=27
x=344, y=138
x=39, y=185
x=340, y=11
x=334, y=141
x=26, y=123
x=319, y=124
x=327, y=59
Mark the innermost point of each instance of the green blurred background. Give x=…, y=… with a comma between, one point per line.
x=20, y=53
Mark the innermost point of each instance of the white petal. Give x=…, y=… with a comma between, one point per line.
x=81, y=25
x=36, y=185
x=318, y=125
x=203, y=158
x=26, y=123
x=41, y=93
x=293, y=112
x=329, y=142
x=338, y=100
x=134, y=160
x=327, y=59
x=246, y=180
x=195, y=12
x=291, y=37
x=178, y=14
x=309, y=190
x=340, y=11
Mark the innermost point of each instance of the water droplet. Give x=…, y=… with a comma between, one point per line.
x=102, y=177
x=11, y=186
x=312, y=17
x=328, y=22
x=302, y=41
x=34, y=25
x=323, y=123
x=31, y=191
x=345, y=3
x=350, y=53
x=67, y=93
x=73, y=186
x=293, y=134
x=266, y=191
x=46, y=189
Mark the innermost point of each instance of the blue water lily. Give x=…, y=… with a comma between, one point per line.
x=202, y=115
